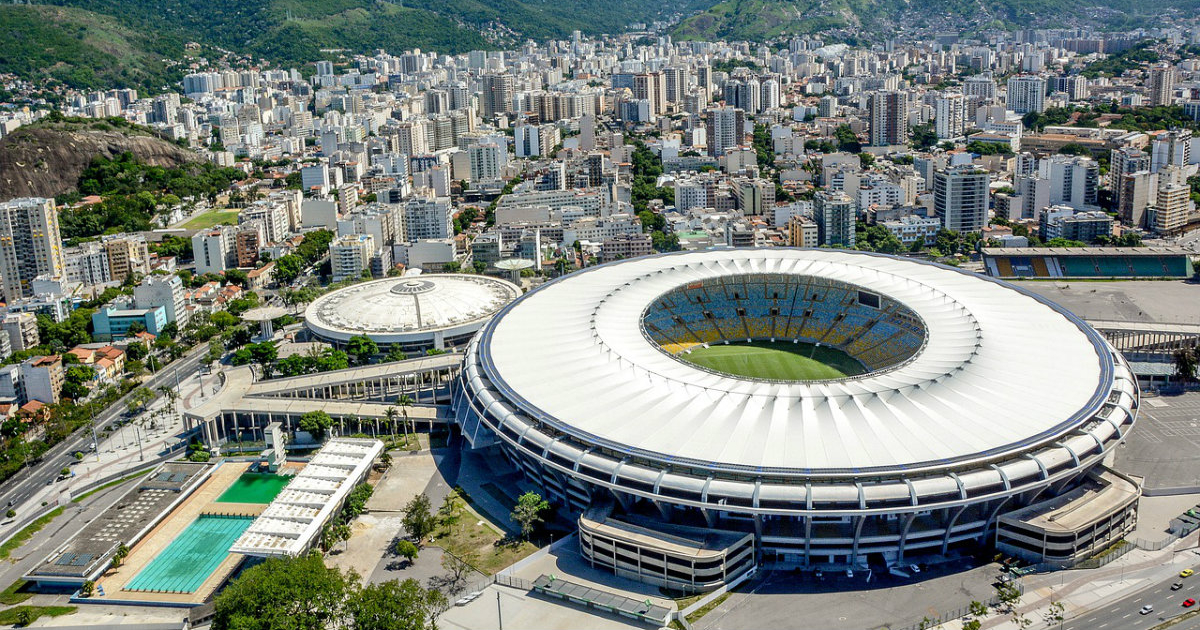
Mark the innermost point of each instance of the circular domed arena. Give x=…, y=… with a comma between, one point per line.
x=415, y=313
x=836, y=407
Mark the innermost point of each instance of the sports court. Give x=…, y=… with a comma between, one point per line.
x=188, y=561
x=777, y=361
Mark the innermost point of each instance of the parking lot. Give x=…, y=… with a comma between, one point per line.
x=1170, y=301
x=787, y=599
x=1164, y=446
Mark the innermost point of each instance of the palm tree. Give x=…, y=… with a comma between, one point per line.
x=405, y=401
x=391, y=415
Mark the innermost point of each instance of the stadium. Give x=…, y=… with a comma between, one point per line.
x=414, y=312
x=704, y=412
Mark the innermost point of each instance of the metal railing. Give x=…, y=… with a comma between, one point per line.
x=958, y=613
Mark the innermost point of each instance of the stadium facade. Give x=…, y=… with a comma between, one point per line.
x=979, y=400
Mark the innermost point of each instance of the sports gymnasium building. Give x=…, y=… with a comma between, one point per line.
x=972, y=400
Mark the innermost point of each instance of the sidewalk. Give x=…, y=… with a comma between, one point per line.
x=1082, y=592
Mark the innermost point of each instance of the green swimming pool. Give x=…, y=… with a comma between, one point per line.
x=184, y=565
x=254, y=488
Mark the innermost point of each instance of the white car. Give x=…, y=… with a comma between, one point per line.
x=1146, y=610
x=914, y=568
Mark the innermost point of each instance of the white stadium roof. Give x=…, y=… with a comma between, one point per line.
x=401, y=309
x=1001, y=370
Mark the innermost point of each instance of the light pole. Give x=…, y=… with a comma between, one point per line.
x=499, y=614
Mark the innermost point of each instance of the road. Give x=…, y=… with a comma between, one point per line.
x=31, y=479
x=1125, y=615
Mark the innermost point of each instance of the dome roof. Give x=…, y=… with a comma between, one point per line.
x=396, y=309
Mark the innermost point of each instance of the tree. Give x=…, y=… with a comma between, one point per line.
x=456, y=566
x=418, y=518
x=316, y=423
x=362, y=348
x=138, y=399
x=263, y=353
x=75, y=383
x=395, y=605
x=405, y=401
x=394, y=354
x=528, y=512
x=1008, y=596
x=238, y=277
x=293, y=593
x=924, y=137
x=847, y=140
x=1054, y=613
x=405, y=549
x=1186, y=362
x=223, y=320
x=287, y=268
x=446, y=510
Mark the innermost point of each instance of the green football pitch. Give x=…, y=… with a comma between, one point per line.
x=778, y=361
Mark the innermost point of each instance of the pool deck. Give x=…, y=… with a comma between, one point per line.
x=202, y=501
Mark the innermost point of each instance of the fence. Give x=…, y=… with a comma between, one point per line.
x=1097, y=562
x=502, y=580
x=959, y=613
x=1187, y=528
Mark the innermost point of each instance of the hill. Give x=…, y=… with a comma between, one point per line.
x=46, y=159
x=81, y=41
x=759, y=20
x=82, y=48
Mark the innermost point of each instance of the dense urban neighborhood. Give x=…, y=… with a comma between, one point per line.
x=701, y=324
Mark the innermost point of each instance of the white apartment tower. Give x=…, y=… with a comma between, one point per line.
x=30, y=245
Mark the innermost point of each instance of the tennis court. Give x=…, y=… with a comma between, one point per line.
x=188, y=561
x=779, y=361
x=254, y=488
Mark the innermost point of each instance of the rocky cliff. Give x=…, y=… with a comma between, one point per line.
x=46, y=160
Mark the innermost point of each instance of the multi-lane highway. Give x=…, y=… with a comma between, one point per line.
x=26, y=483
x=1125, y=614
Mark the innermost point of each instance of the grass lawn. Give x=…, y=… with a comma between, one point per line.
x=211, y=218
x=24, y=535
x=13, y=616
x=707, y=608
x=15, y=593
x=779, y=361
x=471, y=536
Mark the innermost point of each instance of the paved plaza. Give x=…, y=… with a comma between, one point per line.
x=1164, y=446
